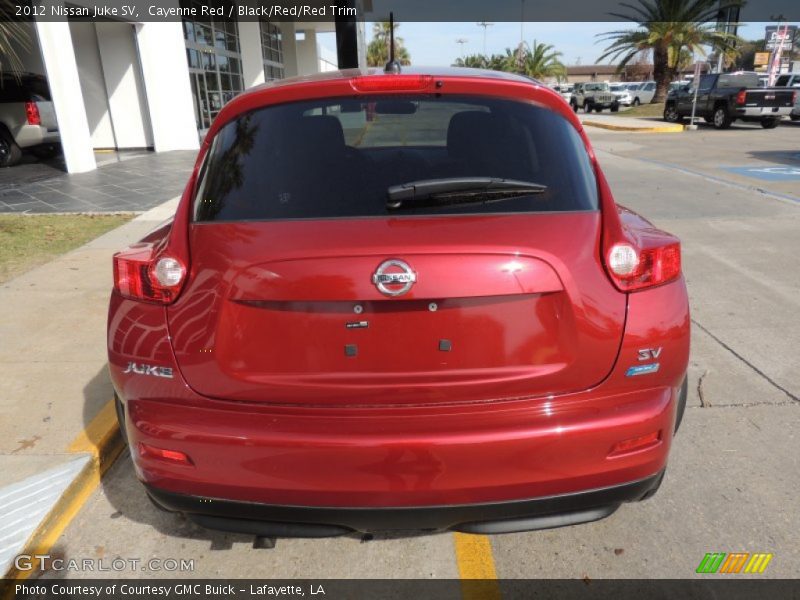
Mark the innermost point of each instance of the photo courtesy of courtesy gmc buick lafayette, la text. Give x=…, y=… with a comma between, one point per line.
x=399, y=301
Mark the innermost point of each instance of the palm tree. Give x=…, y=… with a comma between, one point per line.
x=13, y=36
x=667, y=27
x=378, y=48
x=475, y=61
x=541, y=61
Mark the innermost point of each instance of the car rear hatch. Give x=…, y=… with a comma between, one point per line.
x=306, y=289
x=770, y=98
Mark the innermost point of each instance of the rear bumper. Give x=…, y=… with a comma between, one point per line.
x=767, y=112
x=400, y=457
x=487, y=518
x=30, y=136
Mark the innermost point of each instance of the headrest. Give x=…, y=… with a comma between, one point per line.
x=320, y=134
x=466, y=129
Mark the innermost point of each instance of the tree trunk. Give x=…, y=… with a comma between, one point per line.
x=661, y=73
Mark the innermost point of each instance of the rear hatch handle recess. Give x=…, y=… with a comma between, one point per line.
x=457, y=190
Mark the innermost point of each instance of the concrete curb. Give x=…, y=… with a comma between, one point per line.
x=99, y=442
x=655, y=129
x=101, y=439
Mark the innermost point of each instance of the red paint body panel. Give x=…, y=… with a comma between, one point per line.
x=264, y=319
x=529, y=402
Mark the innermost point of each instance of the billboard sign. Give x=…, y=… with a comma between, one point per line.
x=776, y=33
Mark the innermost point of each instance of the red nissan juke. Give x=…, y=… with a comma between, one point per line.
x=399, y=301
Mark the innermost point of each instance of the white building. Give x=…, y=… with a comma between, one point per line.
x=131, y=84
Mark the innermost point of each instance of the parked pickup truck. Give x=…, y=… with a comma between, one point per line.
x=724, y=97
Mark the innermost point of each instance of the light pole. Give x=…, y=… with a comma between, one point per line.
x=485, y=26
x=461, y=42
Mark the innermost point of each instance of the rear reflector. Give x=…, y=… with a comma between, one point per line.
x=632, y=270
x=141, y=276
x=32, y=113
x=636, y=444
x=173, y=456
x=392, y=83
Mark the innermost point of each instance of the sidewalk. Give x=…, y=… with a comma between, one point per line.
x=632, y=124
x=55, y=416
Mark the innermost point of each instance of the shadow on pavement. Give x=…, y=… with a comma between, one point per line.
x=789, y=157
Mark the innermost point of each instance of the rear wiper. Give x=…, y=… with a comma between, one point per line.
x=457, y=190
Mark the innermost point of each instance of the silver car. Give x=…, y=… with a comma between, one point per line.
x=791, y=80
x=27, y=118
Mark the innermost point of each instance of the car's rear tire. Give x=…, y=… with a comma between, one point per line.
x=770, y=123
x=574, y=106
x=671, y=114
x=721, y=118
x=636, y=102
x=794, y=117
x=681, y=408
x=10, y=153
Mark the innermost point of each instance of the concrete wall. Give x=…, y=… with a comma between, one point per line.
x=124, y=87
x=252, y=57
x=162, y=52
x=65, y=86
x=307, y=59
x=93, y=86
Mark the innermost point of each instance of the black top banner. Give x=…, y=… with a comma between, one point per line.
x=363, y=10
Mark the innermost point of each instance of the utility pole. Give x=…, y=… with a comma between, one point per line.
x=485, y=26
x=461, y=42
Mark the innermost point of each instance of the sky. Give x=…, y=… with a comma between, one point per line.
x=434, y=44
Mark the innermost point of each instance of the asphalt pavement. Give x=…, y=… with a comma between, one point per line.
x=731, y=484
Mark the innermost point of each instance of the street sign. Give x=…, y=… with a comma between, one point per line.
x=761, y=58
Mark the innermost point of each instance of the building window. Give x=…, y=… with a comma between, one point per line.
x=215, y=62
x=272, y=50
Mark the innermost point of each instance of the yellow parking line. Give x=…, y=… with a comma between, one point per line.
x=476, y=567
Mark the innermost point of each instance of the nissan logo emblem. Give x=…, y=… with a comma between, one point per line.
x=394, y=277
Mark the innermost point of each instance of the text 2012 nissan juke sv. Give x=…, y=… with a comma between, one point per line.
x=399, y=301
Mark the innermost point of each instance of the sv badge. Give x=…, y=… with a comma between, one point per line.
x=649, y=353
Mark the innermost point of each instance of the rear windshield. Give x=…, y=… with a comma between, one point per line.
x=24, y=89
x=339, y=157
x=738, y=80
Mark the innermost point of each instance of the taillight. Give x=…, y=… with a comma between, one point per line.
x=173, y=456
x=141, y=274
x=634, y=269
x=392, y=83
x=32, y=112
x=741, y=96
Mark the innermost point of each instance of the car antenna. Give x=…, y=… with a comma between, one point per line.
x=393, y=66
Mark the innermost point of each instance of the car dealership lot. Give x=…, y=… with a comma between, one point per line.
x=731, y=485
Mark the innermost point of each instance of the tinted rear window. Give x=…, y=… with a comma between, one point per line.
x=338, y=157
x=25, y=88
x=738, y=80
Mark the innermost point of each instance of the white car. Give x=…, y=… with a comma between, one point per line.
x=620, y=90
x=565, y=89
x=644, y=92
